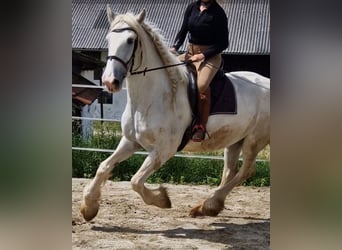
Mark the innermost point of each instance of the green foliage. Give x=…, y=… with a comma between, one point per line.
x=189, y=170
x=178, y=170
x=261, y=177
x=85, y=163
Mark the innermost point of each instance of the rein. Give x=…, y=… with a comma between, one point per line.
x=125, y=64
x=158, y=68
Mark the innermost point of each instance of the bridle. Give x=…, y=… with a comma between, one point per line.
x=125, y=64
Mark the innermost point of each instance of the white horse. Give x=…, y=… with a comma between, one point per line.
x=158, y=112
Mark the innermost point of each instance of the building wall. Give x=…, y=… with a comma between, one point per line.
x=256, y=63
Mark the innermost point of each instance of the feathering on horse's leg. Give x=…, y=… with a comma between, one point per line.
x=158, y=197
x=92, y=191
x=231, y=158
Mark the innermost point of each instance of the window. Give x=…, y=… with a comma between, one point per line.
x=97, y=74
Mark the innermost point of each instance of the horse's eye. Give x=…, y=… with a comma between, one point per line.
x=130, y=40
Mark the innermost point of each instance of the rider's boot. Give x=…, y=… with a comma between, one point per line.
x=199, y=129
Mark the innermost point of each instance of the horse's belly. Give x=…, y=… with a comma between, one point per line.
x=219, y=138
x=212, y=144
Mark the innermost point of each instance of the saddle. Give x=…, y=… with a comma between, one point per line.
x=223, y=98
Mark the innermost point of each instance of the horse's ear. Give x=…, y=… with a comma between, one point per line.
x=141, y=16
x=110, y=14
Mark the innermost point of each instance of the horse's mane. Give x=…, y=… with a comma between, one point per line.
x=147, y=31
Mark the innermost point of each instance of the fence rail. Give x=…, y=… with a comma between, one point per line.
x=211, y=157
x=92, y=86
x=95, y=119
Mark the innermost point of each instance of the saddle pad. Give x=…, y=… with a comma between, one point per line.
x=223, y=97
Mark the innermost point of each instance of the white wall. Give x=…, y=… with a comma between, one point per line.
x=110, y=111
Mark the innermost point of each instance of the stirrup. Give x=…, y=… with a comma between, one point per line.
x=198, y=133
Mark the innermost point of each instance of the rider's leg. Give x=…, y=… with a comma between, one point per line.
x=206, y=71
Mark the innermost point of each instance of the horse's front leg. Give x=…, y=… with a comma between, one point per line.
x=159, y=196
x=92, y=191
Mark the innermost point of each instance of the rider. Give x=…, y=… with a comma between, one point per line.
x=206, y=22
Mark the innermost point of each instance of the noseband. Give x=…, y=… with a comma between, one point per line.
x=125, y=64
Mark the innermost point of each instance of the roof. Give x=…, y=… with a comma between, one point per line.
x=248, y=22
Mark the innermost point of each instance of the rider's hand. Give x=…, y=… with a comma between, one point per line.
x=173, y=50
x=197, y=57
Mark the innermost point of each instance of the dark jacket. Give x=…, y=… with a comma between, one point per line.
x=207, y=28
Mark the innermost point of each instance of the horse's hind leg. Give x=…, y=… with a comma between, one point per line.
x=214, y=205
x=231, y=158
x=157, y=197
x=230, y=169
x=92, y=191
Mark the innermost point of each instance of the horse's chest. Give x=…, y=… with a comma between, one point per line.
x=141, y=133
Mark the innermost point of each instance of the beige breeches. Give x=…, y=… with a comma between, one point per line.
x=206, y=69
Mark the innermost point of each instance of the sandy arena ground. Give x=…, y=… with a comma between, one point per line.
x=126, y=222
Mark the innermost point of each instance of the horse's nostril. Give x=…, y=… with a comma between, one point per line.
x=116, y=82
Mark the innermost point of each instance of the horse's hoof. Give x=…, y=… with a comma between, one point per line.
x=212, y=207
x=89, y=212
x=208, y=207
x=196, y=211
x=165, y=201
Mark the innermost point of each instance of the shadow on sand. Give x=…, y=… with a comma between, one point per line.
x=242, y=236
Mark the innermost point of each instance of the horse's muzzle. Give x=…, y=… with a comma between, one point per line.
x=113, y=85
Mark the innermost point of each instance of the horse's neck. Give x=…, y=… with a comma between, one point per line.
x=145, y=87
x=155, y=92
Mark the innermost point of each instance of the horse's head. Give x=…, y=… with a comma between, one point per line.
x=122, y=43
